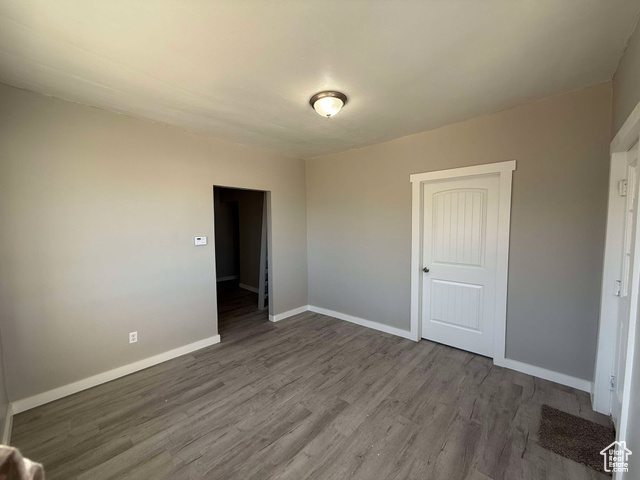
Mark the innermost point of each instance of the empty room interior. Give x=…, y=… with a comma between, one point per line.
x=316, y=240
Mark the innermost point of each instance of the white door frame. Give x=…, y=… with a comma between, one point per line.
x=605, y=359
x=505, y=171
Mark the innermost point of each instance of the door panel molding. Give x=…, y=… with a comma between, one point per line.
x=505, y=172
x=469, y=249
x=467, y=319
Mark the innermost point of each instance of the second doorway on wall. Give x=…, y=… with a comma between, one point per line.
x=242, y=260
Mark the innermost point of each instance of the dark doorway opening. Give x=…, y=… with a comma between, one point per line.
x=242, y=260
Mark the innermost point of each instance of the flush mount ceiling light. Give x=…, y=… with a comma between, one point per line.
x=328, y=103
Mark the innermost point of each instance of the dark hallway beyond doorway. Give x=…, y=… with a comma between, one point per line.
x=241, y=240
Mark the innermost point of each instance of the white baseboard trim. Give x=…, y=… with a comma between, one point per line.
x=561, y=378
x=552, y=376
x=35, y=401
x=249, y=287
x=362, y=322
x=225, y=279
x=290, y=313
x=8, y=424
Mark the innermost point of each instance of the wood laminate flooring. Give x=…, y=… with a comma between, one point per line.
x=307, y=398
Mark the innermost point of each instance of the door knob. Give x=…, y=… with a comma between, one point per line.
x=425, y=269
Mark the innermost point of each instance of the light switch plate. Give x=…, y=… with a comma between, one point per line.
x=200, y=241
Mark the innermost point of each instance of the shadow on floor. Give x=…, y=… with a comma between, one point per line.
x=237, y=308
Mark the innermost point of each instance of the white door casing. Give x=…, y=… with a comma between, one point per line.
x=610, y=306
x=460, y=230
x=503, y=173
x=628, y=300
x=609, y=301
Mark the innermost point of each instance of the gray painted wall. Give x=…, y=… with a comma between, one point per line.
x=359, y=222
x=626, y=83
x=626, y=95
x=226, y=237
x=4, y=399
x=250, y=204
x=98, y=212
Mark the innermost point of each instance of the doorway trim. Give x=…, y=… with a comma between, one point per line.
x=601, y=396
x=505, y=172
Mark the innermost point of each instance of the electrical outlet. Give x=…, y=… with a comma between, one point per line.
x=133, y=337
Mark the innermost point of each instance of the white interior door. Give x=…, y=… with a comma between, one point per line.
x=629, y=285
x=459, y=255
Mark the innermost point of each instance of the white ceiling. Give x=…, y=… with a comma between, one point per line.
x=245, y=69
